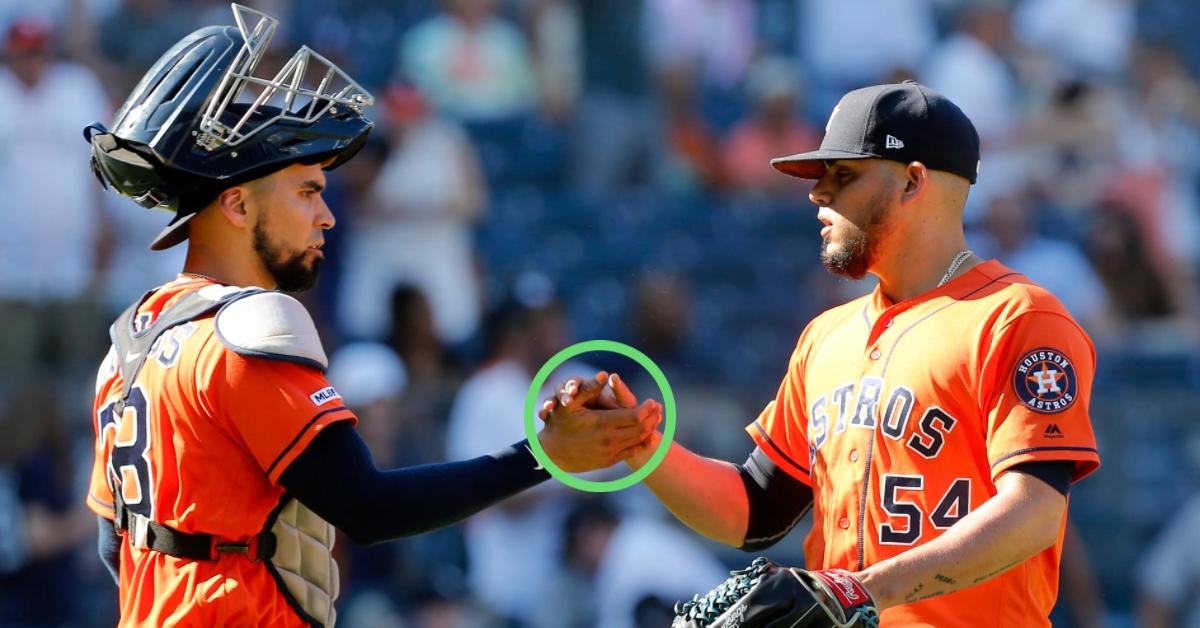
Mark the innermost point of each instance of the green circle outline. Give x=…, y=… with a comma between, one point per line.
x=531, y=400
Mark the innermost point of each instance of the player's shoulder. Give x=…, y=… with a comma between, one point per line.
x=270, y=325
x=1016, y=294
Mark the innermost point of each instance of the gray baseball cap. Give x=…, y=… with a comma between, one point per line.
x=903, y=122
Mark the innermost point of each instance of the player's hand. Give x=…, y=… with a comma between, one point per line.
x=615, y=394
x=588, y=429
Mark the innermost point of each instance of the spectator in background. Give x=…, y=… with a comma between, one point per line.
x=618, y=571
x=846, y=49
x=413, y=335
x=1060, y=266
x=1169, y=574
x=52, y=247
x=969, y=67
x=472, y=64
x=775, y=129
x=694, y=165
x=511, y=548
x=619, y=129
x=1086, y=37
x=715, y=37
x=557, y=55
x=132, y=265
x=415, y=225
x=138, y=32
x=1142, y=296
x=362, y=32
x=43, y=525
x=660, y=323
x=1073, y=146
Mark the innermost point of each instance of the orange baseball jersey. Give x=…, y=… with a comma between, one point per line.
x=901, y=416
x=199, y=447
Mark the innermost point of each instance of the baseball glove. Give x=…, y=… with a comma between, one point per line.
x=766, y=595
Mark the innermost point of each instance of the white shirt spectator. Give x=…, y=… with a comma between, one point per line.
x=1090, y=36
x=717, y=35
x=851, y=47
x=133, y=266
x=424, y=203
x=646, y=557
x=1170, y=570
x=972, y=75
x=52, y=199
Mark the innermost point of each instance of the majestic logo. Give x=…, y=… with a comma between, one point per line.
x=1052, y=431
x=1044, y=380
x=892, y=142
x=324, y=396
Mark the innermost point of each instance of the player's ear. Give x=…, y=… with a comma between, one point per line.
x=916, y=180
x=232, y=204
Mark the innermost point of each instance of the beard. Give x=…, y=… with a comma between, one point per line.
x=289, y=269
x=859, y=245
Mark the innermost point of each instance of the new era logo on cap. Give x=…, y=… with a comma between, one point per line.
x=869, y=123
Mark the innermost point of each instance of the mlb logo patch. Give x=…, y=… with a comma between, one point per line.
x=324, y=396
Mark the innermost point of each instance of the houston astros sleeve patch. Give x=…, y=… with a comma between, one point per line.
x=1044, y=380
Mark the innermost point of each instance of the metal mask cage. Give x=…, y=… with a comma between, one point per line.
x=306, y=88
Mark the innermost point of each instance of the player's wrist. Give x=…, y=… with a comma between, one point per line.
x=874, y=579
x=642, y=454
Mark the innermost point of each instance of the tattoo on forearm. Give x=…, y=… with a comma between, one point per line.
x=945, y=579
x=926, y=596
x=997, y=572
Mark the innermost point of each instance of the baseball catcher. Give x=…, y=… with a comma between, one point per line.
x=223, y=459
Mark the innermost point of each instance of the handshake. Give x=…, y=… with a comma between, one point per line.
x=593, y=424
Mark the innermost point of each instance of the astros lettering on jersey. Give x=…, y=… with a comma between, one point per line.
x=199, y=447
x=902, y=416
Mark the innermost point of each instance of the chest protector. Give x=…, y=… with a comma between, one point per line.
x=296, y=544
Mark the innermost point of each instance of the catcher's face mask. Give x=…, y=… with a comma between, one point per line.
x=205, y=118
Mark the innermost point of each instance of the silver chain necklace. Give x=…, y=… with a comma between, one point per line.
x=958, y=261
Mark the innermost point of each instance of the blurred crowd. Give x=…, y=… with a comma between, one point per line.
x=548, y=171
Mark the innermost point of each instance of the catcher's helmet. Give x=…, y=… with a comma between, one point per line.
x=187, y=131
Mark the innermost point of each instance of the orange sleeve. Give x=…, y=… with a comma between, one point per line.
x=781, y=429
x=1037, y=388
x=100, y=497
x=275, y=407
